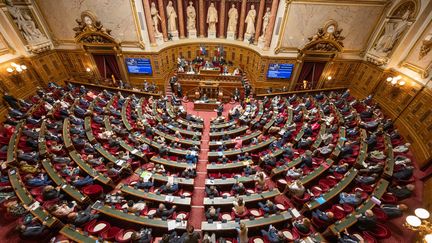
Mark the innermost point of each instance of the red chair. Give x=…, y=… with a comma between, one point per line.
x=124, y=236
x=97, y=227
x=181, y=215
x=302, y=235
x=368, y=238
x=290, y=235
x=379, y=214
x=185, y=193
x=258, y=239
x=256, y=212
x=93, y=191
x=225, y=216
x=111, y=233
x=301, y=201
x=380, y=232
x=389, y=198
x=242, y=216
x=319, y=224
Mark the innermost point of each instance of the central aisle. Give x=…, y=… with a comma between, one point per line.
x=197, y=212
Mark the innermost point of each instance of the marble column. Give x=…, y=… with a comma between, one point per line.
x=181, y=18
x=222, y=19
x=269, y=34
x=202, y=21
x=260, y=21
x=149, y=21
x=163, y=19
x=242, y=20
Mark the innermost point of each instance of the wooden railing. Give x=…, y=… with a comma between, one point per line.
x=126, y=91
x=311, y=91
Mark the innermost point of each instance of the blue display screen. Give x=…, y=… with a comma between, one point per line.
x=276, y=70
x=139, y=65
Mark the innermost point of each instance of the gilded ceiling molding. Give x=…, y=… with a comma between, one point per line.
x=6, y=47
x=90, y=31
x=426, y=46
x=279, y=48
x=326, y=42
x=141, y=43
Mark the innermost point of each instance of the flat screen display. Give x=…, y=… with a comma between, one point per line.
x=280, y=70
x=138, y=65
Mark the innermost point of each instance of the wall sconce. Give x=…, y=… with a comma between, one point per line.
x=15, y=69
x=396, y=81
x=419, y=223
x=329, y=77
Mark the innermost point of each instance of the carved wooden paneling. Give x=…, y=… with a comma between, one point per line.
x=49, y=67
x=365, y=79
x=416, y=121
x=341, y=73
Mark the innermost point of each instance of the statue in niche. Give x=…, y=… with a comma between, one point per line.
x=232, y=19
x=392, y=32
x=172, y=17
x=25, y=23
x=426, y=46
x=191, y=16
x=266, y=20
x=155, y=18
x=212, y=18
x=250, y=21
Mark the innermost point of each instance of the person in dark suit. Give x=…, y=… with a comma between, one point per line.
x=162, y=211
x=82, y=217
x=269, y=207
x=366, y=221
x=12, y=101
x=190, y=236
x=212, y=191
x=402, y=192
x=212, y=213
x=324, y=216
x=239, y=188
x=405, y=173
x=393, y=211
x=273, y=235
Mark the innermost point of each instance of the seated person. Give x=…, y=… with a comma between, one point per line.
x=212, y=213
x=393, y=211
x=51, y=193
x=238, y=188
x=323, y=216
x=294, y=173
x=142, y=236
x=33, y=229
x=273, y=235
x=141, y=184
x=212, y=191
x=39, y=180
x=189, y=173
x=169, y=188
x=405, y=173
x=366, y=221
x=133, y=207
x=353, y=199
x=306, y=159
x=302, y=225
x=163, y=212
x=340, y=168
x=401, y=192
x=158, y=168
x=296, y=189
x=114, y=198
x=239, y=206
x=367, y=179
x=79, y=181
x=260, y=183
x=191, y=157
x=190, y=235
x=269, y=207
x=62, y=210
x=82, y=217
x=345, y=237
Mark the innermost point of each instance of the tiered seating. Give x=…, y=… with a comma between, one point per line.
x=127, y=162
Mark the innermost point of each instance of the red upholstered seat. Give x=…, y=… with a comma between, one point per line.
x=389, y=198
x=296, y=231
x=225, y=216
x=97, y=227
x=92, y=191
x=181, y=215
x=243, y=215
x=110, y=234
x=300, y=201
x=290, y=235
x=379, y=214
x=258, y=239
x=319, y=224
x=124, y=236
x=380, y=232
x=368, y=238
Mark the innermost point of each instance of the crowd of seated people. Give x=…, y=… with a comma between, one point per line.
x=305, y=146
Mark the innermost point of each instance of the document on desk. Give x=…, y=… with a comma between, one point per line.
x=171, y=225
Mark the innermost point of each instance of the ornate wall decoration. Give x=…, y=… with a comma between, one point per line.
x=328, y=40
x=31, y=32
x=5, y=48
x=426, y=46
x=395, y=27
x=91, y=31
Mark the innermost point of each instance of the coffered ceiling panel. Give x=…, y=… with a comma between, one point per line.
x=116, y=15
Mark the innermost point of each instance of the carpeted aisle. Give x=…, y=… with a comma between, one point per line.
x=197, y=207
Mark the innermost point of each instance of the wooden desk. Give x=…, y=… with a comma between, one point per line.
x=247, y=199
x=258, y=222
x=124, y=116
x=235, y=152
x=212, y=71
x=141, y=220
x=334, y=191
x=41, y=140
x=164, y=179
x=229, y=166
x=176, y=164
x=90, y=170
x=88, y=130
x=231, y=142
x=390, y=161
x=13, y=143
x=231, y=133
x=284, y=168
x=154, y=197
x=210, y=106
x=230, y=181
x=77, y=235
x=351, y=219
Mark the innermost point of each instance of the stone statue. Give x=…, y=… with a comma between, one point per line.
x=155, y=18
x=212, y=18
x=232, y=19
x=25, y=23
x=250, y=21
x=191, y=16
x=266, y=20
x=392, y=33
x=172, y=17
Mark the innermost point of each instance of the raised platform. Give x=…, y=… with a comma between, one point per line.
x=209, y=106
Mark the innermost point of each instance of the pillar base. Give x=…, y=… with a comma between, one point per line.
x=159, y=39
x=230, y=35
x=192, y=34
x=211, y=35
x=247, y=38
x=174, y=34
x=261, y=42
